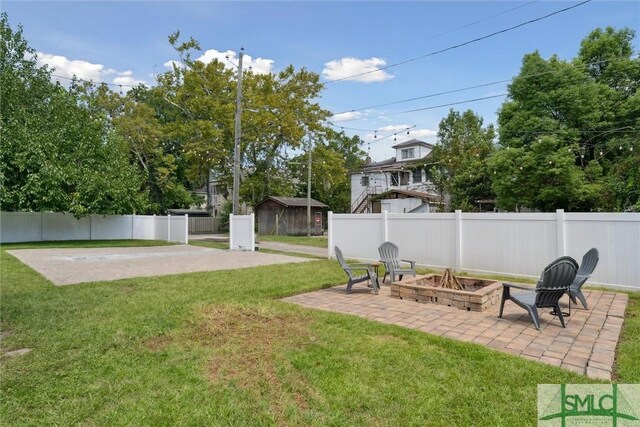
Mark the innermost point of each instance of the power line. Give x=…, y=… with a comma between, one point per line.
x=91, y=81
x=456, y=46
x=480, y=20
x=481, y=85
x=433, y=107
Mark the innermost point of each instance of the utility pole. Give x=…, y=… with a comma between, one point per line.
x=236, y=145
x=309, y=189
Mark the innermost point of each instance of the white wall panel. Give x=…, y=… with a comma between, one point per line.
x=519, y=244
x=110, y=227
x=20, y=227
x=59, y=226
x=426, y=238
x=358, y=235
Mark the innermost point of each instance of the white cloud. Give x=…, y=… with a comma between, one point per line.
x=258, y=65
x=126, y=79
x=349, y=115
x=342, y=68
x=171, y=63
x=65, y=68
x=68, y=68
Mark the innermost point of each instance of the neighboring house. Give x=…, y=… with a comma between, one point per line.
x=398, y=184
x=288, y=216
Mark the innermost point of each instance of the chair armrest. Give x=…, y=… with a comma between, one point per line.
x=355, y=267
x=579, y=280
x=413, y=263
x=511, y=285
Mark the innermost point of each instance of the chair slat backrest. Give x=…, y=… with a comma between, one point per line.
x=588, y=265
x=341, y=260
x=390, y=253
x=555, y=281
x=589, y=262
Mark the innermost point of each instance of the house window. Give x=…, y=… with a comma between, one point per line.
x=417, y=176
x=395, y=179
x=408, y=153
x=364, y=180
x=404, y=178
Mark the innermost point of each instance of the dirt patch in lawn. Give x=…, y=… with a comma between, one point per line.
x=251, y=346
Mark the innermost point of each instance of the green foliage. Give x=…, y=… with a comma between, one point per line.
x=334, y=155
x=227, y=209
x=461, y=159
x=568, y=131
x=56, y=154
x=278, y=109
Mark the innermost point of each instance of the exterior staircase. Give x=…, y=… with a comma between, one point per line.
x=362, y=202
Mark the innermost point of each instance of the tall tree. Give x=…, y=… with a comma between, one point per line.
x=278, y=110
x=585, y=111
x=334, y=155
x=56, y=154
x=461, y=158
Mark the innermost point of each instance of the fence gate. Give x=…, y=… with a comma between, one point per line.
x=242, y=232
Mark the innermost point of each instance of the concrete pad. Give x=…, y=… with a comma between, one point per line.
x=71, y=266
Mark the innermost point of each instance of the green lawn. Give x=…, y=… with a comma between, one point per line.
x=319, y=242
x=218, y=348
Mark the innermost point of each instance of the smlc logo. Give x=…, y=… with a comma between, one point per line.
x=588, y=404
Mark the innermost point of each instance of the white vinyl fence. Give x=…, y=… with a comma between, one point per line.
x=242, y=232
x=42, y=226
x=517, y=244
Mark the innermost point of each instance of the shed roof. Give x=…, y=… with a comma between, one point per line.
x=192, y=212
x=294, y=202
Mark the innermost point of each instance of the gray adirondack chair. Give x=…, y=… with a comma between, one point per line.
x=389, y=254
x=553, y=284
x=587, y=266
x=368, y=275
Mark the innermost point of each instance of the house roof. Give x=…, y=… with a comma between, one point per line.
x=413, y=142
x=391, y=165
x=294, y=202
x=427, y=197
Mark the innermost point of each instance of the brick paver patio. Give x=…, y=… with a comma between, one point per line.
x=587, y=345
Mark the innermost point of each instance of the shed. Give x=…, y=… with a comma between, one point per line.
x=288, y=216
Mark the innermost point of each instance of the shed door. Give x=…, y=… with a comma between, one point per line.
x=317, y=220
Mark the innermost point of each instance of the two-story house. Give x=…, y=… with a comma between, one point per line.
x=398, y=184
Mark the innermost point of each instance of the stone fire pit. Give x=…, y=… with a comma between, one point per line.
x=478, y=294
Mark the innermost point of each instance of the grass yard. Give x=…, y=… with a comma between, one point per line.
x=218, y=348
x=319, y=242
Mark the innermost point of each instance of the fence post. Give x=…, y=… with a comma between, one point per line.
x=253, y=232
x=155, y=228
x=230, y=231
x=560, y=232
x=42, y=226
x=385, y=226
x=168, y=227
x=133, y=220
x=458, y=240
x=186, y=229
x=277, y=221
x=90, y=227
x=329, y=235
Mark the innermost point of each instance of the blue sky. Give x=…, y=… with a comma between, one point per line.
x=125, y=42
